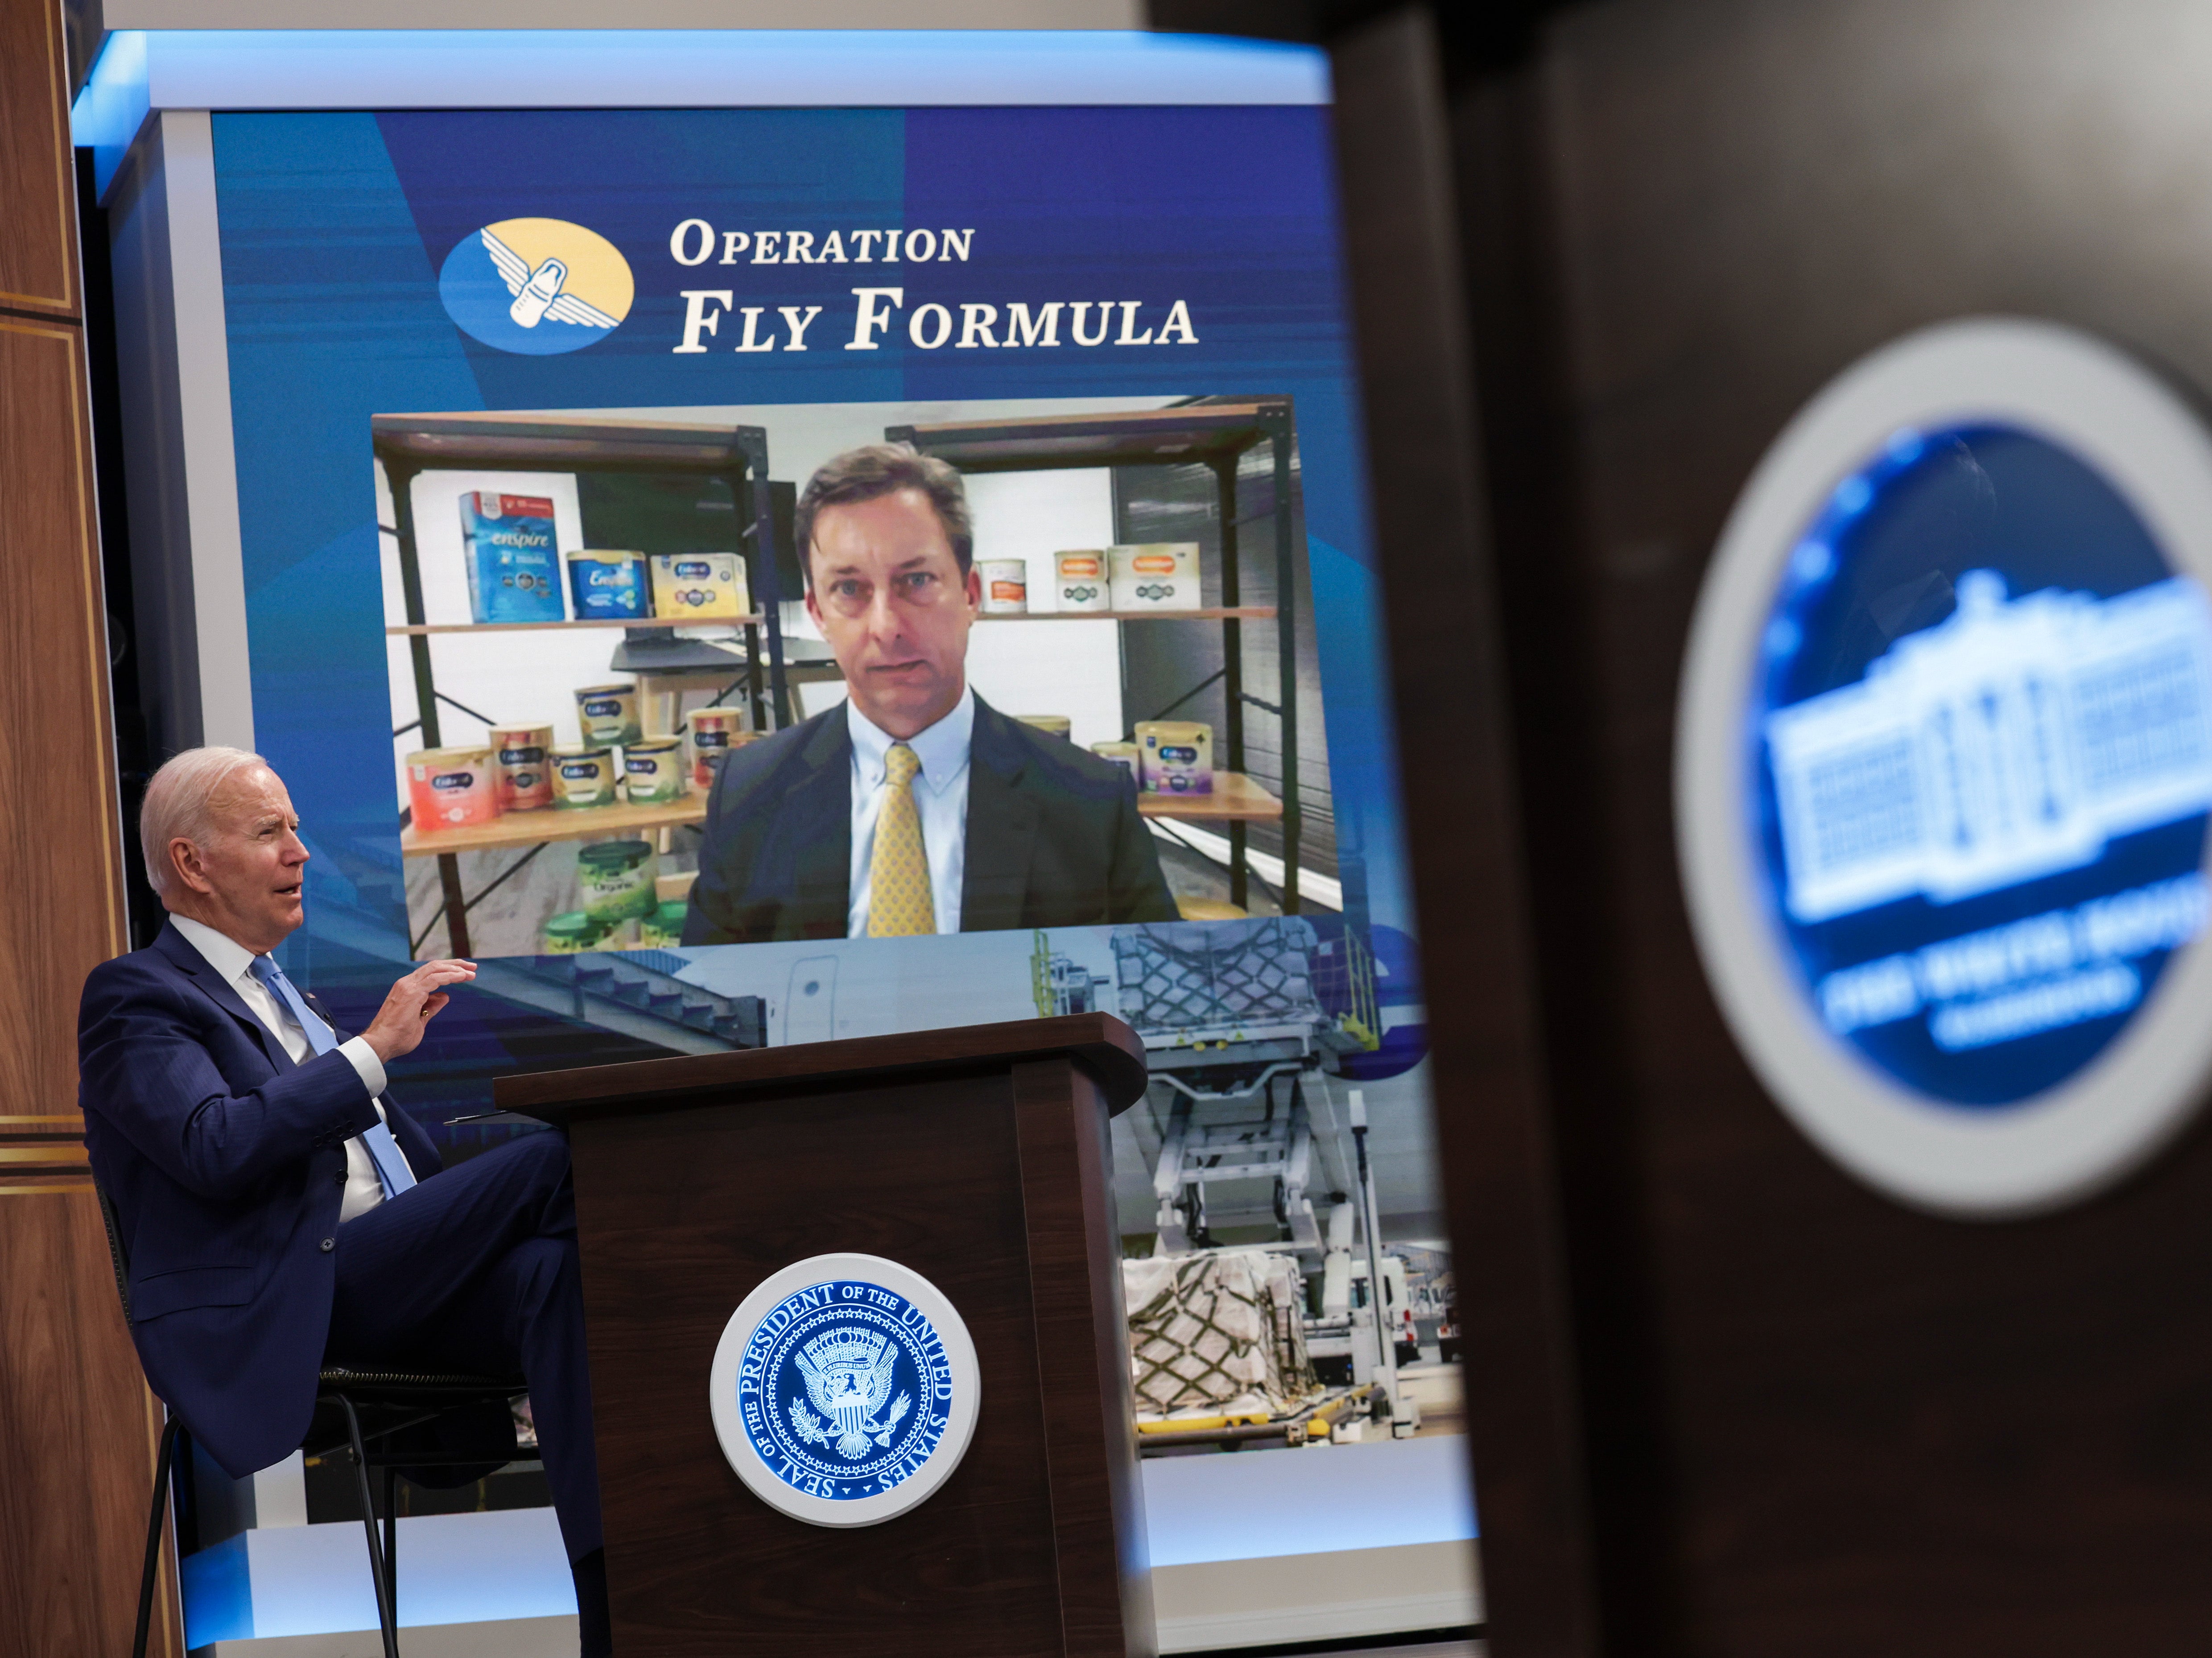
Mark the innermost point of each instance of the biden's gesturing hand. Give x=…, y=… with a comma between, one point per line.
x=413, y=1003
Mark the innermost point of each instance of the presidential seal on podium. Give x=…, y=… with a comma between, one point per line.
x=844, y=1389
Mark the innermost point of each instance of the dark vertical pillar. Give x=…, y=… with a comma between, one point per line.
x=1083, y=1360
x=1463, y=828
x=1232, y=666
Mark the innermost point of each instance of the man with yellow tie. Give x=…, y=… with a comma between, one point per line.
x=915, y=807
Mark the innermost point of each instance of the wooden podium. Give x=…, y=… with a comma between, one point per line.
x=978, y=1158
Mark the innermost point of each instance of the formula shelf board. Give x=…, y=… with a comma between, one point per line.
x=551, y=823
x=1236, y=797
x=752, y=620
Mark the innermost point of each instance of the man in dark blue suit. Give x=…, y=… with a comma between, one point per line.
x=278, y=1211
x=916, y=807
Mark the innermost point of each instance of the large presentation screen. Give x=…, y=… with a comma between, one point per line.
x=765, y=576
x=762, y=576
x=620, y=492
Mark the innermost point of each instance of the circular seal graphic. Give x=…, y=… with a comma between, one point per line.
x=844, y=1389
x=1944, y=767
x=536, y=286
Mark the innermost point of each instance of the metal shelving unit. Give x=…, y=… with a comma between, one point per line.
x=1216, y=435
x=410, y=445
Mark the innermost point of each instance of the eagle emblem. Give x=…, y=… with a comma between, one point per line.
x=847, y=1372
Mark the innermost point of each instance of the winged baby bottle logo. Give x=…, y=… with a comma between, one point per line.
x=536, y=286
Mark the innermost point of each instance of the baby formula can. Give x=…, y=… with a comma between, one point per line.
x=707, y=585
x=571, y=933
x=608, y=714
x=715, y=732
x=1082, y=580
x=617, y=936
x=584, y=776
x=607, y=587
x=654, y=771
x=522, y=756
x=1158, y=575
x=615, y=878
x=1005, y=586
x=1054, y=725
x=451, y=789
x=1123, y=754
x=1175, y=757
x=664, y=928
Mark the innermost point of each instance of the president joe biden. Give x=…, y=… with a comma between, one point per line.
x=280, y=1211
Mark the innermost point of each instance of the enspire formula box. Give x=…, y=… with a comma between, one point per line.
x=514, y=570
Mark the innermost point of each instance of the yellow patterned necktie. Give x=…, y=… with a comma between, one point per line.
x=899, y=904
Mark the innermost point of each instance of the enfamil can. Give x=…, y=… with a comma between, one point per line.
x=1175, y=757
x=615, y=878
x=584, y=777
x=607, y=714
x=714, y=732
x=607, y=587
x=706, y=586
x=522, y=758
x=653, y=773
x=451, y=789
x=1125, y=755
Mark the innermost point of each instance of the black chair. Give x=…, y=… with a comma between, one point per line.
x=376, y=1417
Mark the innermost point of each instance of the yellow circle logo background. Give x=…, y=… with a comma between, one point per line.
x=597, y=273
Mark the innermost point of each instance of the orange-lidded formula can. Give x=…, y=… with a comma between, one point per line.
x=451, y=789
x=714, y=732
x=522, y=759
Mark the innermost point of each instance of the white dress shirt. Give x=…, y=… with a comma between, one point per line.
x=236, y=963
x=940, y=797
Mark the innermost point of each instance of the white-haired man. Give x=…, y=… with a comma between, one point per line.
x=278, y=1212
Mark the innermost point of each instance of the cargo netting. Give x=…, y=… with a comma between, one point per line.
x=1191, y=976
x=1218, y=1335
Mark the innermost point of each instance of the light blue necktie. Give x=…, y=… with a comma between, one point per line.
x=383, y=1150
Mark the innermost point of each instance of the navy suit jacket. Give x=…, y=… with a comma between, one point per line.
x=226, y=1163
x=1054, y=838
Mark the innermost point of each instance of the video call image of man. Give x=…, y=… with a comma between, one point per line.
x=915, y=807
x=278, y=1211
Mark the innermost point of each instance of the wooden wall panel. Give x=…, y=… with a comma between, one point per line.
x=77, y=1427
x=61, y=910
x=38, y=229
x=76, y=1449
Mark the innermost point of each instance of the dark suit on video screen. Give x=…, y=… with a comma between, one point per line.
x=1053, y=838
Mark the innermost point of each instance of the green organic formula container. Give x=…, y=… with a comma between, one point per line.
x=615, y=880
x=571, y=933
x=664, y=928
x=622, y=935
